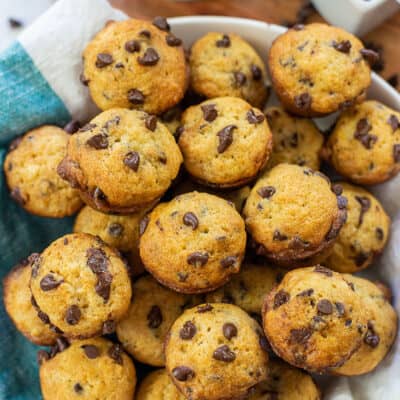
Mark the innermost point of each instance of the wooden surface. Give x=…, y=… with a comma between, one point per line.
x=274, y=11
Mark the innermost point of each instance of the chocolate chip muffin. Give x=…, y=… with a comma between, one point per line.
x=372, y=131
x=88, y=369
x=285, y=383
x=224, y=141
x=226, y=65
x=248, y=288
x=81, y=285
x=381, y=332
x=363, y=236
x=119, y=231
x=314, y=320
x=152, y=311
x=293, y=215
x=194, y=243
x=122, y=161
x=129, y=63
x=18, y=304
x=30, y=168
x=213, y=352
x=158, y=386
x=296, y=140
x=317, y=69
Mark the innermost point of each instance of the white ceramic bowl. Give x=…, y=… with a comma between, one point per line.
x=384, y=383
x=356, y=16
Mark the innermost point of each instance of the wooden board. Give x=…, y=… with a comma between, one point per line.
x=275, y=11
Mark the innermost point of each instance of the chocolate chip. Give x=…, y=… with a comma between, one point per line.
x=306, y=293
x=87, y=127
x=151, y=123
x=78, y=388
x=337, y=189
x=42, y=356
x=98, y=142
x=300, y=335
x=150, y=57
x=115, y=229
x=394, y=122
x=323, y=270
x=132, y=46
x=34, y=259
x=72, y=126
x=281, y=298
x=348, y=322
x=278, y=236
x=256, y=72
x=204, y=308
x=103, y=285
x=361, y=258
x=229, y=330
x=240, y=78
x=161, y=23
x=43, y=317
x=254, y=118
x=228, y=262
x=115, y=352
x=145, y=33
x=371, y=338
x=266, y=192
x=224, y=353
x=97, y=260
x=344, y=46
x=198, y=258
x=16, y=195
x=183, y=373
x=83, y=79
x=187, y=331
x=340, y=308
x=396, y=152
x=172, y=40
x=135, y=96
x=224, y=42
x=190, y=219
x=108, y=327
x=379, y=233
x=365, y=204
x=303, y=101
x=73, y=315
x=209, y=112
x=154, y=317
x=49, y=282
x=342, y=202
x=225, y=136
x=370, y=56
x=104, y=59
x=351, y=285
x=132, y=160
x=91, y=351
x=62, y=344
x=15, y=23
x=182, y=276
x=324, y=306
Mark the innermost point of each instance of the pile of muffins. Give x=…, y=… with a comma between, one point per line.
x=209, y=245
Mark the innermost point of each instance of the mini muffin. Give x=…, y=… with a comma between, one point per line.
x=293, y=215
x=129, y=63
x=18, y=304
x=248, y=288
x=314, y=320
x=224, y=141
x=372, y=132
x=157, y=385
x=226, y=65
x=296, y=140
x=285, y=383
x=194, y=243
x=382, y=328
x=88, y=369
x=119, y=231
x=152, y=311
x=213, y=352
x=122, y=161
x=31, y=172
x=81, y=285
x=317, y=69
x=363, y=236
x=236, y=196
